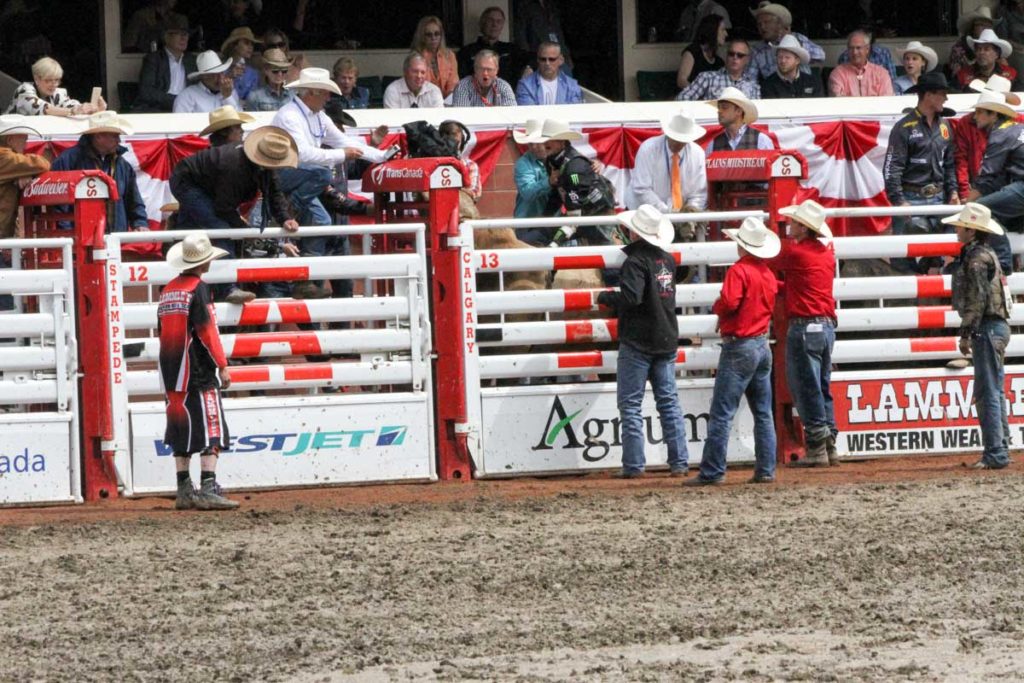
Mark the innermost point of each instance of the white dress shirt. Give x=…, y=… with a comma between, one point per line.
x=177, y=65
x=312, y=130
x=651, y=179
x=398, y=96
x=197, y=98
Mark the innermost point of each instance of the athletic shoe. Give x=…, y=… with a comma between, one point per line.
x=186, y=498
x=239, y=296
x=210, y=498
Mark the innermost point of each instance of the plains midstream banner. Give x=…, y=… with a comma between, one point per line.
x=35, y=458
x=300, y=441
x=916, y=412
x=571, y=427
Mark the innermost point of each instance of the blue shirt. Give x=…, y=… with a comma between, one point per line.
x=531, y=91
x=247, y=82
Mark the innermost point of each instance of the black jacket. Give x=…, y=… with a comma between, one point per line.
x=1003, y=162
x=580, y=187
x=155, y=79
x=919, y=155
x=646, y=300
x=805, y=85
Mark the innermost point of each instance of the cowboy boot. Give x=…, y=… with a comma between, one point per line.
x=815, y=455
x=830, y=448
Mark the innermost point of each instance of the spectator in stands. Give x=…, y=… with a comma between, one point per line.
x=276, y=39
x=16, y=170
x=100, y=148
x=442, y=65
x=414, y=89
x=44, y=96
x=859, y=77
x=225, y=127
x=537, y=21
x=877, y=55
x=148, y=25
x=549, y=84
x=669, y=170
x=694, y=14
x=735, y=114
x=773, y=22
x=734, y=75
x=457, y=132
x=163, y=73
x=272, y=95
x=968, y=25
x=239, y=46
x=1010, y=26
x=990, y=51
x=511, y=59
x=535, y=197
x=213, y=90
x=918, y=59
x=233, y=14
x=702, y=54
x=346, y=74
x=971, y=141
x=788, y=80
x=484, y=88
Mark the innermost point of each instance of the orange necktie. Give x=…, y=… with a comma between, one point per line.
x=677, y=188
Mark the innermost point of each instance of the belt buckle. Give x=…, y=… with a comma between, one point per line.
x=930, y=190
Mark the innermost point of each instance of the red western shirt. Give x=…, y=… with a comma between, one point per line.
x=969, y=150
x=809, y=267
x=744, y=308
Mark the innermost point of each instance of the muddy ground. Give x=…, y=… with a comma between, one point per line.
x=914, y=580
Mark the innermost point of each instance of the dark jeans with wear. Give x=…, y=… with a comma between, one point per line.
x=635, y=368
x=918, y=225
x=1007, y=207
x=809, y=343
x=988, y=348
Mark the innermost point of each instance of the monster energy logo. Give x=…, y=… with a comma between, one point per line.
x=575, y=178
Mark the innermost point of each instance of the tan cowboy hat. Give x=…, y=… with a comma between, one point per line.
x=811, y=214
x=553, y=129
x=649, y=224
x=966, y=21
x=989, y=37
x=991, y=100
x=997, y=83
x=223, y=117
x=276, y=57
x=931, y=59
x=107, y=122
x=682, y=128
x=775, y=9
x=209, y=63
x=754, y=236
x=241, y=33
x=316, y=79
x=790, y=43
x=193, y=251
x=530, y=133
x=737, y=97
x=15, y=124
x=976, y=217
x=271, y=147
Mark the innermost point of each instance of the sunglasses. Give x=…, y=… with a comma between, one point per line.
x=547, y=59
x=279, y=44
x=432, y=34
x=279, y=71
x=737, y=55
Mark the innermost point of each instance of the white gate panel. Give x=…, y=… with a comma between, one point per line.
x=36, y=452
x=571, y=427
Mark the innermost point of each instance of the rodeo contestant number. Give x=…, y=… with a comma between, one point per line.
x=138, y=274
x=489, y=260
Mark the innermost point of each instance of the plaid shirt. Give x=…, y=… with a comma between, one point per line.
x=709, y=84
x=763, y=64
x=879, y=55
x=500, y=94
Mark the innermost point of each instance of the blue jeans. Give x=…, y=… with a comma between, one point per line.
x=196, y=211
x=808, y=373
x=634, y=369
x=918, y=225
x=1007, y=206
x=744, y=368
x=987, y=348
x=303, y=187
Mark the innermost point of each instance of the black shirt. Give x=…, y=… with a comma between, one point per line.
x=646, y=300
x=1004, y=157
x=777, y=87
x=919, y=154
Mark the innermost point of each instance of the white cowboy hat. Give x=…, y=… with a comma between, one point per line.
x=553, y=129
x=14, y=124
x=790, y=43
x=811, y=214
x=107, y=122
x=682, y=128
x=931, y=59
x=776, y=9
x=223, y=117
x=966, y=21
x=976, y=217
x=736, y=96
x=315, y=79
x=530, y=133
x=989, y=37
x=209, y=63
x=193, y=251
x=271, y=147
x=997, y=83
x=991, y=100
x=649, y=224
x=754, y=236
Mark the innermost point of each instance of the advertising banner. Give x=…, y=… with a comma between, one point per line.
x=299, y=441
x=35, y=458
x=572, y=427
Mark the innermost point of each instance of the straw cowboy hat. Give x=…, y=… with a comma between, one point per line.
x=107, y=122
x=989, y=37
x=241, y=33
x=314, y=78
x=209, y=63
x=811, y=214
x=790, y=43
x=997, y=83
x=531, y=132
x=774, y=9
x=553, y=129
x=754, y=236
x=966, y=21
x=975, y=217
x=737, y=97
x=271, y=147
x=14, y=124
x=193, y=251
x=648, y=223
x=931, y=60
x=224, y=117
x=991, y=100
x=276, y=57
x=682, y=128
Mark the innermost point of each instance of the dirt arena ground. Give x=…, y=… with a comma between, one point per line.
x=893, y=570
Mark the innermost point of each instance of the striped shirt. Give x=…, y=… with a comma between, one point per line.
x=710, y=84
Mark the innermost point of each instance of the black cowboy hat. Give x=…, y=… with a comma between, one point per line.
x=930, y=82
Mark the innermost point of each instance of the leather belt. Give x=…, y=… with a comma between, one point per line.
x=929, y=190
